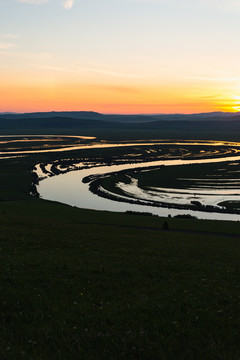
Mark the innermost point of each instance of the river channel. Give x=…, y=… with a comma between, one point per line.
x=69, y=189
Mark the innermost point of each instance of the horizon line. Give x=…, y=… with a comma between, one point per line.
x=123, y=114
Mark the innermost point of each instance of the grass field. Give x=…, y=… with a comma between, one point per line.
x=80, y=284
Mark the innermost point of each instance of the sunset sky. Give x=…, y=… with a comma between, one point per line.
x=120, y=56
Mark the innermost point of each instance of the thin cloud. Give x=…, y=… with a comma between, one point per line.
x=225, y=5
x=119, y=89
x=52, y=68
x=6, y=46
x=229, y=5
x=28, y=55
x=33, y=1
x=68, y=4
x=210, y=96
x=214, y=79
x=9, y=36
x=114, y=73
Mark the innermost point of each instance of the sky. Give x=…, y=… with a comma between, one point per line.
x=120, y=56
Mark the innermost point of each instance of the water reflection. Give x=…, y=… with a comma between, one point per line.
x=104, y=144
x=69, y=189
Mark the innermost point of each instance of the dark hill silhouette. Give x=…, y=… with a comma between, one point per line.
x=172, y=117
x=114, y=118
x=64, y=114
x=213, y=125
x=56, y=122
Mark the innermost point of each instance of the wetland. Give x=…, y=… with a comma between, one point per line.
x=163, y=177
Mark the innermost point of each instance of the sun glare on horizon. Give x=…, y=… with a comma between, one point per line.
x=236, y=106
x=114, y=69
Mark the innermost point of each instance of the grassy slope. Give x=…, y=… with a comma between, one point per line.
x=95, y=285
x=72, y=288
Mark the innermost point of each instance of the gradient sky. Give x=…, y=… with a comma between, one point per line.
x=120, y=56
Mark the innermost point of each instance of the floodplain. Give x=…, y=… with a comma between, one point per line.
x=78, y=283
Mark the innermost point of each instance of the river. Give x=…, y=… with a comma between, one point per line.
x=69, y=189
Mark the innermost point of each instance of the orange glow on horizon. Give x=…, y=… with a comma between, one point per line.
x=180, y=61
x=25, y=95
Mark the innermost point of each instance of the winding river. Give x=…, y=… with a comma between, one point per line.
x=69, y=189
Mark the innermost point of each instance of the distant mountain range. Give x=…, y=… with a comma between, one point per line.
x=138, y=118
x=74, y=120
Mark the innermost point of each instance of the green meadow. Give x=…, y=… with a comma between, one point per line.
x=83, y=284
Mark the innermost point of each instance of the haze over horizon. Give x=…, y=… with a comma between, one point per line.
x=235, y=113
x=119, y=56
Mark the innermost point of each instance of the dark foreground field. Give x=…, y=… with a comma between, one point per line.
x=78, y=284
x=81, y=284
